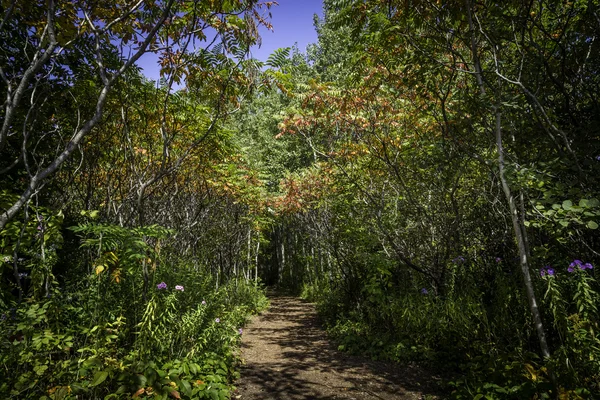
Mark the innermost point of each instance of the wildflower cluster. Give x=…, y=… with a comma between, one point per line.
x=576, y=264
x=162, y=286
x=547, y=270
x=579, y=264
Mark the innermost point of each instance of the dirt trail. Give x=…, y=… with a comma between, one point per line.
x=286, y=355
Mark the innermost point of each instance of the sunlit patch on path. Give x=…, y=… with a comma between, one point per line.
x=287, y=356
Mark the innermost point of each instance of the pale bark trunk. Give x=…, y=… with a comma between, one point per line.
x=518, y=228
x=256, y=261
x=521, y=240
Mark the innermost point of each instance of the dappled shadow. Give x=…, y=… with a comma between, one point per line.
x=287, y=356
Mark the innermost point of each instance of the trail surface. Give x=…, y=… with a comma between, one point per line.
x=286, y=355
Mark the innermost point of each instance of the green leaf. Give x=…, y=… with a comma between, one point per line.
x=186, y=388
x=40, y=369
x=278, y=58
x=567, y=204
x=99, y=377
x=592, y=225
x=194, y=368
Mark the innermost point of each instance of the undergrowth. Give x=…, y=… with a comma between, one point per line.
x=485, y=348
x=100, y=332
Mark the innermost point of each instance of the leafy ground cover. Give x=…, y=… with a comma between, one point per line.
x=101, y=335
x=465, y=343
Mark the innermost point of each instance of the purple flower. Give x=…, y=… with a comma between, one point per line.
x=424, y=291
x=203, y=302
x=576, y=263
x=3, y=318
x=179, y=287
x=458, y=260
x=580, y=265
x=161, y=286
x=570, y=269
x=597, y=158
x=547, y=270
x=217, y=320
x=498, y=259
x=240, y=331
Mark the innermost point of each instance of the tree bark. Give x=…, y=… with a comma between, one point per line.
x=518, y=228
x=520, y=238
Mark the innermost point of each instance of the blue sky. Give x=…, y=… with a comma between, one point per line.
x=292, y=22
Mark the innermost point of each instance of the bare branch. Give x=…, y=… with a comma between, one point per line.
x=40, y=59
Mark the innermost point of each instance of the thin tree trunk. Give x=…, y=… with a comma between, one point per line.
x=521, y=240
x=249, y=259
x=519, y=231
x=256, y=261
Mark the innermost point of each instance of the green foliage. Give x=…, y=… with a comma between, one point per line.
x=279, y=58
x=442, y=134
x=119, y=305
x=99, y=337
x=385, y=175
x=28, y=248
x=505, y=376
x=572, y=296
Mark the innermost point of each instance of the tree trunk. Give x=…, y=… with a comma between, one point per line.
x=520, y=234
x=520, y=238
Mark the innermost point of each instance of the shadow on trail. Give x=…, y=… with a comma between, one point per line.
x=288, y=357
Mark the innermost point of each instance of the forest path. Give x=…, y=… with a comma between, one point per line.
x=286, y=355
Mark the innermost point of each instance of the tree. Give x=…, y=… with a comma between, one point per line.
x=64, y=41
